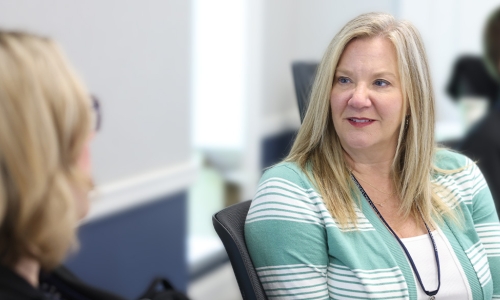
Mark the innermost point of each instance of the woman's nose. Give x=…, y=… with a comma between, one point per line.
x=360, y=97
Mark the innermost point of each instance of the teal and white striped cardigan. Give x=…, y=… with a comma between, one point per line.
x=300, y=252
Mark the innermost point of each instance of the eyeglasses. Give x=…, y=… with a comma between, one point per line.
x=97, y=113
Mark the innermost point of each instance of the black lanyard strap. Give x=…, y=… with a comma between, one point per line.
x=431, y=294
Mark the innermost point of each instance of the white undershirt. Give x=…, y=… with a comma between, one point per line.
x=454, y=284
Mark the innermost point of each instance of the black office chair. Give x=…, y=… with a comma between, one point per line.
x=303, y=78
x=229, y=224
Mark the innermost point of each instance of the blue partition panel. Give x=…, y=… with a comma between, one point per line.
x=275, y=148
x=124, y=252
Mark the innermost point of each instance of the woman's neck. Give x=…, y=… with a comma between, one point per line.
x=370, y=166
x=377, y=158
x=28, y=269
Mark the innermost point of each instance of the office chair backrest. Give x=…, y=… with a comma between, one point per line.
x=303, y=78
x=229, y=224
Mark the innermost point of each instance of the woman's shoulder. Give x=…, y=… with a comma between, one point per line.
x=459, y=175
x=15, y=287
x=446, y=159
x=285, y=195
x=288, y=172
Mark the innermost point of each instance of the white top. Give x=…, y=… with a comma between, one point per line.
x=454, y=285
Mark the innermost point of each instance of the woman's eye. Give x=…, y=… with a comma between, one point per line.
x=380, y=82
x=344, y=80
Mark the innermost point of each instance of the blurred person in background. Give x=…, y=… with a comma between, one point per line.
x=473, y=88
x=482, y=142
x=46, y=124
x=365, y=205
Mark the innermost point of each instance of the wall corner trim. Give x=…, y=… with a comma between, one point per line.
x=119, y=196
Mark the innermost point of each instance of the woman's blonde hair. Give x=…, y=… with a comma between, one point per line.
x=317, y=149
x=45, y=121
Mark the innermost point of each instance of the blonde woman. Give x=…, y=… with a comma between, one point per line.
x=365, y=206
x=46, y=122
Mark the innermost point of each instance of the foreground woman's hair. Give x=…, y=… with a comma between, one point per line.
x=317, y=148
x=44, y=125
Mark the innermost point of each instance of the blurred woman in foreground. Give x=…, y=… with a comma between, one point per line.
x=46, y=123
x=365, y=206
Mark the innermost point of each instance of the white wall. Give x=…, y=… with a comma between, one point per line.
x=135, y=56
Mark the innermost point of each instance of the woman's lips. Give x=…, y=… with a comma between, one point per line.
x=360, y=122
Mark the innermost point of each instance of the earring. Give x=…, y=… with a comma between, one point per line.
x=407, y=121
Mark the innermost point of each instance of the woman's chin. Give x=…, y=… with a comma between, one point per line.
x=357, y=145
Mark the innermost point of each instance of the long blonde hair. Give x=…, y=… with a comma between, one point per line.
x=45, y=121
x=317, y=146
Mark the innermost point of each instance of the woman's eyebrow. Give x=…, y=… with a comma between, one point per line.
x=385, y=74
x=343, y=71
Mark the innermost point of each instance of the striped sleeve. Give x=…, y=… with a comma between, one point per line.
x=286, y=237
x=487, y=227
x=382, y=283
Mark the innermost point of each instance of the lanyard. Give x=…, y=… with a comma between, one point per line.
x=431, y=294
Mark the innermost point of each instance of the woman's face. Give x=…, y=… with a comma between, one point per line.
x=366, y=98
x=84, y=163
